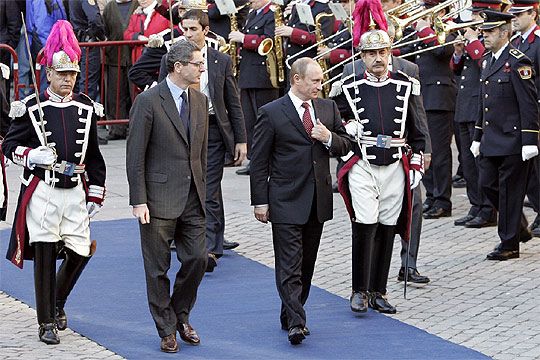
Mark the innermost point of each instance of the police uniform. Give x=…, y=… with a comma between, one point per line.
x=507, y=121
x=256, y=89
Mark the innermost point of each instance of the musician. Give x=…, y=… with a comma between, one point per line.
x=506, y=130
x=527, y=40
x=466, y=64
x=221, y=24
x=256, y=89
x=63, y=183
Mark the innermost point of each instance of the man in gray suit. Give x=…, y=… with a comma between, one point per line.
x=166, y=168
x=411, y=69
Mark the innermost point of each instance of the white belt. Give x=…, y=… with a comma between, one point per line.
x=383, y=141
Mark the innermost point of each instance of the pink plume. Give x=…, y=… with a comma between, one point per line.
x=61, y=37
x=361, y=17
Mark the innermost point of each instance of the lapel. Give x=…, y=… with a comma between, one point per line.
x=169, y=107
x=255, y=19
x=498, y=63
x=291, y=113
x=213, y=68
x=194, y=117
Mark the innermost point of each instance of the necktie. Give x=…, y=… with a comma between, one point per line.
x=492, y=61
x=184, y=112
x=306, y=119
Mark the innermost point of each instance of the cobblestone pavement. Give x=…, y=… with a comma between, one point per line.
x=489, y=306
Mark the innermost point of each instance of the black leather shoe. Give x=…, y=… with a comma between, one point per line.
x=462, y=220
x=306, y=331
x=479, y=222
x=102, y=141
x=378, y=302
x=212, y=262
x=426, y=207
x=535, y=227
x=243, y=171
x=296, y=335
x=437, y=212
x=413, y=277
x=460, y=183
x=501, y=254
x=48, y=334
x=359, y=301
x=61, y=319
x=525, y=235
x=229, y=245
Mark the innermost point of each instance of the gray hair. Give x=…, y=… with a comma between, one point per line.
x=300, y=67
x=181, y=51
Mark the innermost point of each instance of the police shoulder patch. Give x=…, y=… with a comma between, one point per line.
x=516, y=53
x=525, y=72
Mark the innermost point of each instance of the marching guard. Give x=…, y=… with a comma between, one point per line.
x=54, y=138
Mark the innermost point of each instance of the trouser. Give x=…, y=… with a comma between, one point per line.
x=438, y=178
x=215, y=217
x=503, y=180
x=295, y=249
x=480, y=205
x=533, y=186
x=187, y=232
x=117, y=98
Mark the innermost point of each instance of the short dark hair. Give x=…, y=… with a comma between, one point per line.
x=300, y=67
x=181, y=51
x=199, y=15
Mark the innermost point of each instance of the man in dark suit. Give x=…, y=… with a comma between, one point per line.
x=291, y=185
x=506, y=132
x=166, y=154
x=226, y=129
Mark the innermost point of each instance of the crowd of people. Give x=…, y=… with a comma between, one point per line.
x=202, y=90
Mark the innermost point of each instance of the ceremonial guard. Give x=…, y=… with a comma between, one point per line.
x=388, y=162
x=54, y=138
x=506, y=132
x=256, y=89
x=466, y=64
x=527, y=40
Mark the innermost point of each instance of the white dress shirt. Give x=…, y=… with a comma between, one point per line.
x=204, y=80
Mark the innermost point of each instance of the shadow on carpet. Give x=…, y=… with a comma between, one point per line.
x=236, y=314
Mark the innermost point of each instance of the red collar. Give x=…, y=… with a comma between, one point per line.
x=531, y=36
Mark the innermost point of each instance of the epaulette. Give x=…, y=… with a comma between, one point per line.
x=515, y=36
x=322, y=1
x=5, y=71
x=18, y=108
x=98, y=108
x=415, y=83
x=516, y=53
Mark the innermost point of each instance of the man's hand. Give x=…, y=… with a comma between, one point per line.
x=427, y=161
x=320, y=132
x=471, y=34
x=528, y=152
x=284, y=30
x=420, y=24
x=236, y=36
x=475, y=148
x=415, y=177
x=142, y=213
x=41, y=155
x=354, y=128
x=92, y=208
x=240, y=153
x=261, y=213
x=459, y=49
x=323, y=50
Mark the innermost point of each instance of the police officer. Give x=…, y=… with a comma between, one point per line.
x=256, y=89
x=466, y=63
x=527, y=40
x=506, y=132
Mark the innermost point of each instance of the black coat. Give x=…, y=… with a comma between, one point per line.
x=10, y=26
x=531, y=48
x=221, y=24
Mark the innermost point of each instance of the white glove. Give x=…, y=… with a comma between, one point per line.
x=475, y=148
x=92, y=208
x=155, y=41
x=354, y=128
x=415, y=177
x=7, y=162
x=41, y=155
x=528, y=152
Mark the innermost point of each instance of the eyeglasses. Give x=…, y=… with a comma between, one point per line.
x=199, y=64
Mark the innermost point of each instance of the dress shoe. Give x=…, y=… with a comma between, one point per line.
x=246, y=170
x=229, y=245
x=527, y=203
x=378, y=302
x=457, y=177
x=359, y=301
x=426, y=207
x=296, y=335
x=525, y=235
x=462, y=220
x=188, y=334
x=102, y=141
x=413, y=277
x=169, y=344
x=460, y=183
x=48, y=334
x=437, y=212
x=61, y=319
x=479, y=222
x=306, y=331
x=212, y=262
x=535, y=227
x=501, y=254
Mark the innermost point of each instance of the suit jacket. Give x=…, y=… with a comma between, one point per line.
x=224, y=96
x=508, y=112
x=288, y=168
x=161, y=161
x=398, y=64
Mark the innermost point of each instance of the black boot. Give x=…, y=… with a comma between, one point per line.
x=67, y=276
x=363, y=237
x=45, y=283
x=382, y=255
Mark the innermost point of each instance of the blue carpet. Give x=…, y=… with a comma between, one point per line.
x=236, y=314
